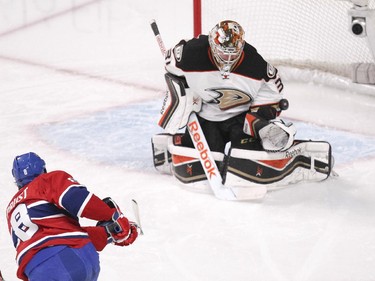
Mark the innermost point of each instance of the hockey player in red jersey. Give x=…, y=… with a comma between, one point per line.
x=43, y=222
x=238, y=97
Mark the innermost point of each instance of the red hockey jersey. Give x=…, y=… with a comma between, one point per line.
x=45, y=213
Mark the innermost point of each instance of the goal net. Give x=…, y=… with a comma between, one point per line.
x=309, y=34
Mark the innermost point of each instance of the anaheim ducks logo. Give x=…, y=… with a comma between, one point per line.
x=229, y=98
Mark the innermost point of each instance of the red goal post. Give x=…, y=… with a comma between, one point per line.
x=306, y=34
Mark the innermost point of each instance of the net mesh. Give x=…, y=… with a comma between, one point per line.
x=310, y=34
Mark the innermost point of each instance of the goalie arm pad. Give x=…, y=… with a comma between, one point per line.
x=178, y=103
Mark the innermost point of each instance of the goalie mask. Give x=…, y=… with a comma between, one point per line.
x=226, y=42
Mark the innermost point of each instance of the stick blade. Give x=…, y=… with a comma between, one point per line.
x=137, y=216
x=250, y=193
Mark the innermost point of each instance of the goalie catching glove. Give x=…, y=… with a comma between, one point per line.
x=274, y=134
x=277, y=136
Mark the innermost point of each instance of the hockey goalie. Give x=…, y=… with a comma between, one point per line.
x=237, y=98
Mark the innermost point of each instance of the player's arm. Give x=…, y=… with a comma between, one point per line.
x=110, y=230
x=179, y=100
x=98, y=236
x=174, y=57
x=79, y=202
x=114, y=227
x=262, y=120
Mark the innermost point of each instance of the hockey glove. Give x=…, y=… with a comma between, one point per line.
x=113, y=227
x=277, y=136
x=130, y=239
x=119, y=228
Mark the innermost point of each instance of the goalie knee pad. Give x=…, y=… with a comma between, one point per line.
x=161, y=156
x=303, y=162
x=183, y=162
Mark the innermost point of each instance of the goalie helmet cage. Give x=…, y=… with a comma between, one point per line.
x=302, y=34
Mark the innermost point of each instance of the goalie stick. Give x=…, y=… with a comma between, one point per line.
x=205, y=156
x=160, y=41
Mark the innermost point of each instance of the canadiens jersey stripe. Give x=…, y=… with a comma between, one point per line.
x=73, y=198
x=67, y=235
x=44, y=210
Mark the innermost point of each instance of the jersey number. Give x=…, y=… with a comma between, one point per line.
x=21, y=223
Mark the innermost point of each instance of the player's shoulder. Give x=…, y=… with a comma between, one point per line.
x=193, y=54
x=196, y=43
x=59, y=172
x=253, y=65
x=57, y=175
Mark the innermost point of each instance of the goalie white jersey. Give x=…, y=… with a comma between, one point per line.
x=252, y=81
x=238, y=102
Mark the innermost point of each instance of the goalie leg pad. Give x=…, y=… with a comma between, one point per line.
x=161, y=156
x=186, y=165
x=305, y=161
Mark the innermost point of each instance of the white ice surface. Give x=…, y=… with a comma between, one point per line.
x=83, y=91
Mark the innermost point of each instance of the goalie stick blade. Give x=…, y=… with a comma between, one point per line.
x=249, y=193
x=240, y=193
x=222, y=192
x=234, y=193
x=137, y=216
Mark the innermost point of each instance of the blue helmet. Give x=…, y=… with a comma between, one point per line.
x=27, y=167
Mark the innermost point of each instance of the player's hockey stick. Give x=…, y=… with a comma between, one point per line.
x=112, y=204
x=137, y=216
x=205, y=155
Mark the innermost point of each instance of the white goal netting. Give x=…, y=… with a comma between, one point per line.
x=311, y=34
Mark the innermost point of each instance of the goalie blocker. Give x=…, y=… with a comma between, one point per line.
x=304, y=161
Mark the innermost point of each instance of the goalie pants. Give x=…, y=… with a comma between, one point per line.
x=218, y=134
x=61, y=263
